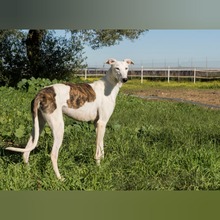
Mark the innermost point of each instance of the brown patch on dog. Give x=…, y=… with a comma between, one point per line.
x=45, y=99
x=79, y=94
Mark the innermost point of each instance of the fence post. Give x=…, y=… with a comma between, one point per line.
x=194, y=75
x=142, y=74
x=168, y=74
x=85, y=73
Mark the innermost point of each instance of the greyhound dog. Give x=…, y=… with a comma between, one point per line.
x=83, y=102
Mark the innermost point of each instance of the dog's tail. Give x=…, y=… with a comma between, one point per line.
x=34, y=139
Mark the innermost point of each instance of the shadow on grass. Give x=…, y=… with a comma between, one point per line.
x=12, y=156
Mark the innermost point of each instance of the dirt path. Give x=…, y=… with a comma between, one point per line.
x=204, y=96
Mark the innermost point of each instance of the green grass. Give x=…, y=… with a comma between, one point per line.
x=135, y=84
x=148, y=146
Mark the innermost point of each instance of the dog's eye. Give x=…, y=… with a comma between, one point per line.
x=126, y=68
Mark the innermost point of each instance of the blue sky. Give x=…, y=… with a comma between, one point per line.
x=164, y=48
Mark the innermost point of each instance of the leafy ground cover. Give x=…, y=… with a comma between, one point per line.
x=148, y=146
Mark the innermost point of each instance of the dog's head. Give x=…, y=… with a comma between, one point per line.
x=120, y=69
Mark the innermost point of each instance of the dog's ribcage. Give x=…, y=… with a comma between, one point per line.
x=81, y=103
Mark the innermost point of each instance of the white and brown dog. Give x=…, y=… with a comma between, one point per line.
x=83, y=102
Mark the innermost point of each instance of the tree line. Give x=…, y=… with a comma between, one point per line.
x=44, y=54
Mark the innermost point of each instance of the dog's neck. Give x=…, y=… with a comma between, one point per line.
x=112, y=85
x=111, y=79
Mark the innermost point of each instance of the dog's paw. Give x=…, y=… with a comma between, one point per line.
x=62, y=179
x=98, y=162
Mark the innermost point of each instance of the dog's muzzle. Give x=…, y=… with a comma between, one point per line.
x=124, y=80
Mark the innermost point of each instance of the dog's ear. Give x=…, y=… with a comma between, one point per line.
x=128, y=61
x=111, y=61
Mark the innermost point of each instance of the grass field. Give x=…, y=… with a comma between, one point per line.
x=148, y=146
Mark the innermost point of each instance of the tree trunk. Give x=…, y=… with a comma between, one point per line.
x=33, y=44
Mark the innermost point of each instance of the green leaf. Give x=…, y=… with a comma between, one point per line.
x=19, y=133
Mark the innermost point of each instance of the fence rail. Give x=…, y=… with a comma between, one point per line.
x=165, y=73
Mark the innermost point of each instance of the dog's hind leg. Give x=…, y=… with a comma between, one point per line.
x=56, y=123
x=31, y=139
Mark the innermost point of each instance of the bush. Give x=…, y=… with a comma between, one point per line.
x=34, y=85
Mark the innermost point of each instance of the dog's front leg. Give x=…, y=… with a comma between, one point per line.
x=100, y=132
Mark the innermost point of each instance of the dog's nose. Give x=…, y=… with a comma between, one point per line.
x=124, y=80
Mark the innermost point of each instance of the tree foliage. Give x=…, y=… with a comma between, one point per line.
x=57, y=57
x=13, y=60
x=108, y=37
x=41, y=53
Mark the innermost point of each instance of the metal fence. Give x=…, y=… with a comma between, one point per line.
x=167, y=73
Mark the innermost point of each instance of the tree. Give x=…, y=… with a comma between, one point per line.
x=39, y=53
x=108, y=37
x=51, y=56
x=60, y=56
x=33, y=46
